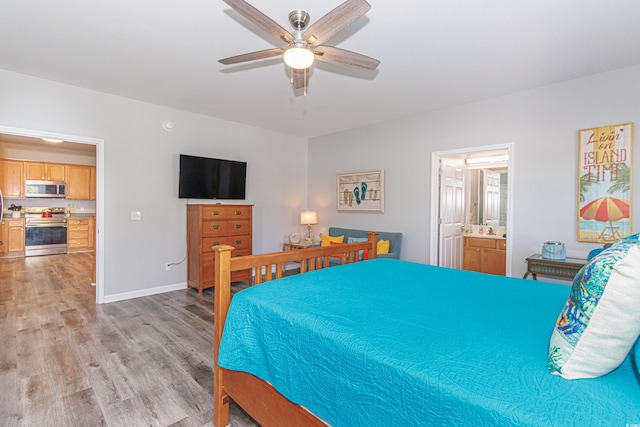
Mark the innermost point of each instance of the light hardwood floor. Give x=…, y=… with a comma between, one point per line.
x=66, y=361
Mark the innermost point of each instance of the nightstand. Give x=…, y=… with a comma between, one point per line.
x=563, y=269
x=294, y=246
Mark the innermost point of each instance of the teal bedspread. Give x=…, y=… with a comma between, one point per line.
x=394, y=343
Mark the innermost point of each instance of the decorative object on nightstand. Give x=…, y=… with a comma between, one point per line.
x=554, y=250
x=308, y=218
x=294, y=238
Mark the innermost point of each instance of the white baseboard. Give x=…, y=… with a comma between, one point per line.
x=145, y=292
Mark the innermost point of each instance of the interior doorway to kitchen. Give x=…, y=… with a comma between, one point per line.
x=470, y=187
x=26, y=140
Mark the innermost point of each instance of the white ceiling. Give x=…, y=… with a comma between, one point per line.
x=434, y=54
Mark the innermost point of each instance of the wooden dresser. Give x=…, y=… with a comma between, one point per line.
x=209, y=226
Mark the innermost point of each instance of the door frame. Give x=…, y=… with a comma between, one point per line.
x=435, y=196
x=100, y=231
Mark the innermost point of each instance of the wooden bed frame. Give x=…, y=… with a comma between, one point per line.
x=258, y=398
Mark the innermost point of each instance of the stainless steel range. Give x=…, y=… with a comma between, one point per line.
x=46, y=231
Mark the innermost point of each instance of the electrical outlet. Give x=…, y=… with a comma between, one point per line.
x=167, y=266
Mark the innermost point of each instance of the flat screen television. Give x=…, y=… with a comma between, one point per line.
x=207, y=178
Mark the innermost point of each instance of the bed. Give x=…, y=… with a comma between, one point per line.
x=389, y=342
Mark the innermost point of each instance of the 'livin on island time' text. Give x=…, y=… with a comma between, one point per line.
x=603, y=163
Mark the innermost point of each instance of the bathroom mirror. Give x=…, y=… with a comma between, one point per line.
x=488, y=196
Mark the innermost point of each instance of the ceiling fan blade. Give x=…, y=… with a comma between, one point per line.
x=260, y=19
x=345, y=57
x=261, y=54
x=335, y=21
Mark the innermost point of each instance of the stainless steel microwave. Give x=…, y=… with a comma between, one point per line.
x=45, y=189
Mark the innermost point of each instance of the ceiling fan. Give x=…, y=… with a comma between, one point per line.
x=306, y=44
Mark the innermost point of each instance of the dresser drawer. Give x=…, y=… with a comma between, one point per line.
x=214, y=212
x=238, y=227
x=240, y=212
x=225, y=228
x=238, y=242
x=215, y=228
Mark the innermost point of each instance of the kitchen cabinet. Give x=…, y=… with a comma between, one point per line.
x=3, y=243
x=79, y=182
x=486, y=255
x=209, y=226
x=78, y=235
x=12, y=179
x=45, y=171
x=12, y=237
x=92, y=184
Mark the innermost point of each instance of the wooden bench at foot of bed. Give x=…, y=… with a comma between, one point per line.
x=258, y=398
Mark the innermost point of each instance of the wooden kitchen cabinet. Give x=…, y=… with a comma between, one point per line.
x=12, y=179
x=78, y=235
x=79, y=182
x=486, y=255
x=45, y=171
x=12, y=237
x=3, y=242
x=209, y=226
x=92, y=184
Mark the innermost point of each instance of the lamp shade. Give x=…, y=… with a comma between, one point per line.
x=308, y=217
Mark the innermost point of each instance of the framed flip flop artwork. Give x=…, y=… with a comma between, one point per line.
x=360, y=191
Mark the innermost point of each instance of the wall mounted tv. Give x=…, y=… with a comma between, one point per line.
x=206, y=178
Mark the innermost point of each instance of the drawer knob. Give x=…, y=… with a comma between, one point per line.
x=238, y=242
x=238, y=212
x=215, y=244
x=215, y=213
x=215, y=227
x=238, y=225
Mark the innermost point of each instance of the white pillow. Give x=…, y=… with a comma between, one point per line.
x=601, y=319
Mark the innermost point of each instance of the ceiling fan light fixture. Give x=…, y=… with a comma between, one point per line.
x=299, y=57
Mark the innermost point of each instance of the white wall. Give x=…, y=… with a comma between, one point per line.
x=141, y=172
x=542, y=123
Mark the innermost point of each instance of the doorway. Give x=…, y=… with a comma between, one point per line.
x=469, y=187
x=33, y=137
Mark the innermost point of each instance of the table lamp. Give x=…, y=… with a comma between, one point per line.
x=307, y=218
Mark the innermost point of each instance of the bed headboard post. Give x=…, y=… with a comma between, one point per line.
x=373, y=239
x=221, y=301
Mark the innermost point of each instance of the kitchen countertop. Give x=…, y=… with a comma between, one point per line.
x=86, y=215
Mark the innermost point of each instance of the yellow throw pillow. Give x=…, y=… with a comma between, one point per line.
x=326, y=240
x=383, y=247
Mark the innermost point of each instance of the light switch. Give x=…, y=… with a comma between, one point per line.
x=136, y=216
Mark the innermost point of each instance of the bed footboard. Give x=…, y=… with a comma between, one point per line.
x=255, y=396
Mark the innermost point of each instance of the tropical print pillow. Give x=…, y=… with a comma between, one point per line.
x=601, y=319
